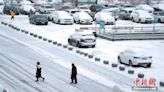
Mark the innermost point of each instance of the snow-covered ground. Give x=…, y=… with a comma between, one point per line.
x=104, y=49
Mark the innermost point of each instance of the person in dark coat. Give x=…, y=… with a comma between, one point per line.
x=73, y=74
x=38, y=71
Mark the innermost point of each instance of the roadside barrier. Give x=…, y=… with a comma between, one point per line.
x=106, y=62
x=114, y=65
x=97, y=59
x=130, y=71
x=140, y=75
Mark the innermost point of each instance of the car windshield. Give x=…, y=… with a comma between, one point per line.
x=87, y=35
x=40, y=17
x=129, y=6
x=74, y=11
x=48, y=7
x=83, y=7
x=112, y=6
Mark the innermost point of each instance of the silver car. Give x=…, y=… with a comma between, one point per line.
x=81, y=39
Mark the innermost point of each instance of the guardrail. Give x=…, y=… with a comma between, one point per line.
x=129, y=33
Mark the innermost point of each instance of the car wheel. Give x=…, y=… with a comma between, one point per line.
x=69, y=41
x=159, y=20
x=79, y=22
x=119, y=60
x=132, y=19
x=149, y=65
x=58, y=21
x=46, y=23
x=130, y=63
x=53, y=20
x=140, y=21
x=93, y=46
x=78, y=45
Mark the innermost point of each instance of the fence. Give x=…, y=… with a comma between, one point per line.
x=130, y=33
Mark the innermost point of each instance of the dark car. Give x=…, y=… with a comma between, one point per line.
x=38, y=20
x=8, y=8
x=96, y=8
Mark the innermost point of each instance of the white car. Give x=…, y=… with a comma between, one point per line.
x=145, y=7
x=61, y=17
x=46, y=9
x=135, y=58
x=82, y=38
x=27, y=9
x=84, y=8
x=105, y=17
x=72, y=11
x=25, y=2
x=1, y=8
x=159, y=16
x=82, y=18
x=141, y=16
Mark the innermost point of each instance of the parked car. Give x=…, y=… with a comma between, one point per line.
x=158, y=7
x=125, y=13
x=135, y=58
x=8, y=8
x=1, y=8
x=159, y=16
x=46, y=8
x=25, y=2
x=82, y=38
x=27, y=9
x=72, y=11
x=61, y=17
x=141, y=16
x=145, y=7
x=112, y=11
x=127, y=6
x=84, y=8
x=38, y=20
x=105, y=17
x=82, y=18
x=96, y=7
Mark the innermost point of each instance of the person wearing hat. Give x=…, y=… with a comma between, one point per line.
x=38, y=71
x=73, y=74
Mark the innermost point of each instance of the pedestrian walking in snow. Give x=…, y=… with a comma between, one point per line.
x=38, y=71
x=73, y=74
x=12, y=14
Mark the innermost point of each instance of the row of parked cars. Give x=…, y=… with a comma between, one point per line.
x=78, y=17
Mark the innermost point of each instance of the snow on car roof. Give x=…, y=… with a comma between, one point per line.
x=145, y=6
x=137, y=51
x=160, y=6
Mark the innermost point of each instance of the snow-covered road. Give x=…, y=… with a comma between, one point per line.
x=17, y=68
x=64, y=58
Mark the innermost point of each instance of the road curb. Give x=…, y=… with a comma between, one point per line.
x=97, y=59
x=140, y=75
x=106, y=62
x=130, y=71
x=161, y=83
x=121, y=68
x=114, y=65
x=90, y=56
